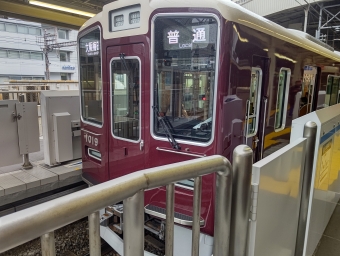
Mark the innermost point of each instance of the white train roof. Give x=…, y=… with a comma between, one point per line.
x=228, y=9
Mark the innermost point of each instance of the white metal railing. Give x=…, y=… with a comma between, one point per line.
x=42, y=220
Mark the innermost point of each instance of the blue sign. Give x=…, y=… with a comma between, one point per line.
x=68, y=67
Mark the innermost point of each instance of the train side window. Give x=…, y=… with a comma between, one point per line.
x=91, y=78
x=253, y=104
x=332, y=92
x=125, y=100
x=282, y=99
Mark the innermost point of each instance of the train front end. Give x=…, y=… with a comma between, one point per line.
x=150, y=82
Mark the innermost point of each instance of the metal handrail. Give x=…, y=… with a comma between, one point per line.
x=43, y=219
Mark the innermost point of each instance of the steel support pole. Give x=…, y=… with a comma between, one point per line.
x=306, y=19
x=223, y=197
x=309, y=132
x=134, y=225
x=196, y=216
x=94, y=234
x=170, y=215
x=47, y=244
x=320, y=20
x=241, y=199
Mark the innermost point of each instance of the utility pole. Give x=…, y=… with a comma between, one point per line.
x=48, y=42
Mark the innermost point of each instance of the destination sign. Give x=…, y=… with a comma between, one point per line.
x=176, y=38
x=92, y=48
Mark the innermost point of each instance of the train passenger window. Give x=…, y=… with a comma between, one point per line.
x=332, y=92
x=125, y=91
x=253, y=104
x=282, y=99
x=184, y=76
x=90, y=77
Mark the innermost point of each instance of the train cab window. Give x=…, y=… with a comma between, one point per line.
x=125, y=91
x=332, y=92
x=253, y=104
x=90, y=77
x=282, y=99
x=184, y=76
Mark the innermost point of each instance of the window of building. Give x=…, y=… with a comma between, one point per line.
x=62, y=34
x=13, y=54
x=36, y=56
x=125, y=90
x=11, y=28
x=15, y=78
x=64, y=76
x=3, y=54
x=64, y=56
x=22, y=29
x=16, y=54
x=25, y=55
x=18, y=28
x=34, y=31
x=282, y=99
x=91, y=77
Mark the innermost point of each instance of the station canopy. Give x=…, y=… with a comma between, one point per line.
x=65, y=13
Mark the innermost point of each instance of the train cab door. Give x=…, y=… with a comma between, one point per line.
x=257, y=106
x=127, y=108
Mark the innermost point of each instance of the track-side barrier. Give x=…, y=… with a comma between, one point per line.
x=42, y=220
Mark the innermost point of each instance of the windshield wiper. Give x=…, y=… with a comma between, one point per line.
x=122, y=57
x=166, y=128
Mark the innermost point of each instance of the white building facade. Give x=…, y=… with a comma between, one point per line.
x=21, y=56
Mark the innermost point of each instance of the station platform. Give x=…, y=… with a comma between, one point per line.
x=18, y=184
x=329, y=244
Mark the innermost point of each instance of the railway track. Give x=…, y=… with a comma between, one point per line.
x=41, y=198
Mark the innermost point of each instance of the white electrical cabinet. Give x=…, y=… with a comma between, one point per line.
x=60, y=113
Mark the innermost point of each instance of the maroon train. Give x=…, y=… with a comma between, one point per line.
x=168, y=81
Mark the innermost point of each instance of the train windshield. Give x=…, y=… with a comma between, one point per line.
x=184, y=76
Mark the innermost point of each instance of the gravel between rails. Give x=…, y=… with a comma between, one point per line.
x=70, y=240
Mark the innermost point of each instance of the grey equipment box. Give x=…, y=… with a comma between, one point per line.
x=60, y=113
x=19, y=131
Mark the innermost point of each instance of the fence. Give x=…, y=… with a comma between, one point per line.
x=43, y=219
x=30, y=90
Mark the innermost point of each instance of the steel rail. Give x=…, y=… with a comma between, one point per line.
x=23, y=226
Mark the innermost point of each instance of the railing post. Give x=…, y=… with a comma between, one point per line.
x=309, y=132
x=169, y=223
x=240, y=208
x=196, y=216
x=94, y=234
x=47, y=244
x=134, y=225
x=224, y=184
x=27, y=164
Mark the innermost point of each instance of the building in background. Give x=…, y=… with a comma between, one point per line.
x=22, y=58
